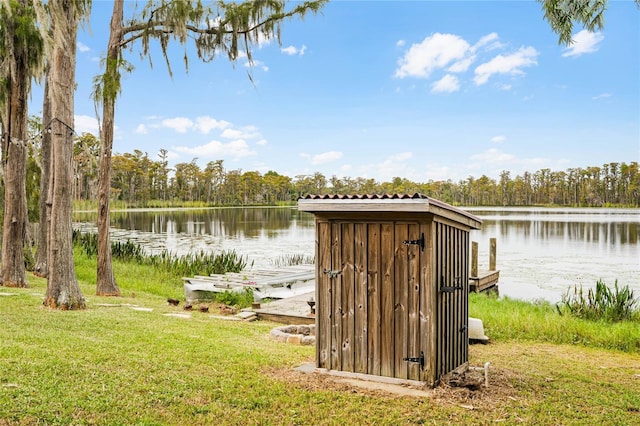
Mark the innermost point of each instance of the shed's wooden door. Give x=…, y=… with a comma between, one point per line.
x=369, y=294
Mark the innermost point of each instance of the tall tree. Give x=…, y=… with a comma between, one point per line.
x=231, y=27
x=21, y=59
x=44, y=205
x=108, y=88
x=63, y=291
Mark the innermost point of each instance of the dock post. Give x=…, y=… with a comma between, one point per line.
x=492, y=254
x=474, y=258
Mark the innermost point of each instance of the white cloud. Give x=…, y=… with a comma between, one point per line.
x=205, y=124
x=346, y=169
x=142, y=129
x=263, y=40
x=86, y=124
x=583, y=42
x=234, y=149
x=82, y=47
x=400, y=43
x=326, y=157
x=390, y=167
x=435, y=51
x=488, y=42
x=261, y=142
x=505, y=87
x=292, y=50
x=446, y=84
x=510, y=64
x=402, y=156
x=462, y=65
x=493, y=156
x=255, y=63
x=499, y=160
x=248, y=132
x=179, y=124
x=498, y=139
x=602, y=96
x=171, y=155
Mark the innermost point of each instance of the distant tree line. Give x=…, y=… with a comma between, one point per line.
x=139, y=180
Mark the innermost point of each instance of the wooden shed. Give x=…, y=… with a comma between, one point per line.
x=391, y=285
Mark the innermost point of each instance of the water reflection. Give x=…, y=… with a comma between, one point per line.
x=263, y=235
x=603, y=234
x=224, y=222
x=541, y=252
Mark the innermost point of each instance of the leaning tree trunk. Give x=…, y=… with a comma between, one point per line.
x=63, y=291
x=106, y=285
x=15, y=164
x=45, y=170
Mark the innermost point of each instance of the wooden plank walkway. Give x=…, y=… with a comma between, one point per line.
x=265, y=283
x=292, y=310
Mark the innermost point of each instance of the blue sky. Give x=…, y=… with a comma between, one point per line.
x=377, y=89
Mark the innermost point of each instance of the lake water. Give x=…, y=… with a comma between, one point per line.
x=541, y=251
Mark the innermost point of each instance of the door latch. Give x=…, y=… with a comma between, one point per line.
x=449, y=288
x=332, y=274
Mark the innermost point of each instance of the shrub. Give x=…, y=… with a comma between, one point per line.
x=239, y=299
x=603, y=303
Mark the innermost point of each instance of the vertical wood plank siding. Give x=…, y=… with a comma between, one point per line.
x=401, y=300
x=361, y=331
x=414, y=255
x=336, y=293
x=374, y=299
x=324, y=300
x=387, y=319
x=382, y=302
x=452, y=271
x=348, y=299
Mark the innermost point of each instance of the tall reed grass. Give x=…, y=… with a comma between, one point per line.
x=200, y=263
x=602, y=303
x=293, y=259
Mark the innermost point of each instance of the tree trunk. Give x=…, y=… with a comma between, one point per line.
x=63, y=291
x=106, y=285
x=15, y=165
x=45, y=171
x=14, y=159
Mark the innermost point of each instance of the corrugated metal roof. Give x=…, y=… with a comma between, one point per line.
x=384, y=202
x=365, y=196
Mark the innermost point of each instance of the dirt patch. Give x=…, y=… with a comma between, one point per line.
x=501, y=387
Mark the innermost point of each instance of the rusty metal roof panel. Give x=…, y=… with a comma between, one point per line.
x=407, y=203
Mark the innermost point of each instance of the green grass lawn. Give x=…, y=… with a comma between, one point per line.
x=117, y=365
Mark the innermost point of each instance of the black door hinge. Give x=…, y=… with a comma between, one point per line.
x=418, y=242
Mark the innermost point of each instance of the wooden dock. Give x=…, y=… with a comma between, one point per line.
x=487, y=279
x=484, y=280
